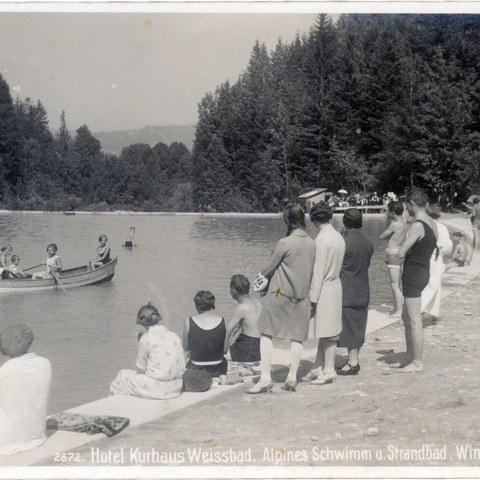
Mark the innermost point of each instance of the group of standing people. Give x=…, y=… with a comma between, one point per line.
x=325, y=280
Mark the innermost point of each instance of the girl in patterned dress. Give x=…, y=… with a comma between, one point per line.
x=160, y=361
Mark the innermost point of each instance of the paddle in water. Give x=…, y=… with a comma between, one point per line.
x=58, y=282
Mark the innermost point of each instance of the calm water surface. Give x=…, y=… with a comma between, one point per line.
x=89, y=334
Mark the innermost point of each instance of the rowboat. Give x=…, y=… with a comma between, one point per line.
x=69, y=278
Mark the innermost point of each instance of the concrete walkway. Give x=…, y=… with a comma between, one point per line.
x=142, y=411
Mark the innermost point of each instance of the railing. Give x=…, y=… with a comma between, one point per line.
x=363, y=208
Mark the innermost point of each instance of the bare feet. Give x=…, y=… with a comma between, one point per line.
x=412, y=367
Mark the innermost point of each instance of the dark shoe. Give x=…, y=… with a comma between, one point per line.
x=351, y=370
x=290, y=386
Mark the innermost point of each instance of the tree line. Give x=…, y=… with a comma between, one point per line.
x=371, y=102
x=44, y=171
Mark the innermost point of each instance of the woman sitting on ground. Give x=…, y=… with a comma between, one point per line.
x=160, y=361
x=204, y=337
x=53, y=263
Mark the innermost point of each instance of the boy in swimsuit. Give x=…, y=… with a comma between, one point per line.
x=246, y=347
x=460, y=251
x=129, y=240
x=395, y=233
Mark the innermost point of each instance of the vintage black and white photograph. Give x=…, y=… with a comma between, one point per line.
x=239, y=242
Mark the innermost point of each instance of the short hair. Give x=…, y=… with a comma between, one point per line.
x=204, y=301
x=52, y=246
x=101, y=237
x=417, y=196
x=321, y=212
x=148, y=315
x=5, y=248
x=15, y=257
x=132, y=228
x=240, y=284
x=294, y=216
x=475, y=200
x=395, y=207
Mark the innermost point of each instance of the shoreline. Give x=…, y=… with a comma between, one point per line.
x=144, y=414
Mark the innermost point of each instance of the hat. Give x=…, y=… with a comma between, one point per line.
x=15, y=340
x=321, y=211
x=352, y=218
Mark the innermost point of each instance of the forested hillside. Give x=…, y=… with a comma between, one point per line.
x=372, y=102
x=378, y=102
x=41, y=171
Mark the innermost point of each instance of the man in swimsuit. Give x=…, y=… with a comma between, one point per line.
x=395, y=233
x=416, y=252
x=246, y=347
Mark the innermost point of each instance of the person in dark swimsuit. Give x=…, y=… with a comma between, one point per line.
x=204, y=337
x=416, y=252
x=103, y=253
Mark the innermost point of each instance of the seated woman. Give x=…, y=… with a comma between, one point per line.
x=103, y=253
x=53, y=263
x=204, y=337
x=25, y=380
x=160, y=361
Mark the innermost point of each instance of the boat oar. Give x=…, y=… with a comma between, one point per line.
x=58, y=282
x=35, y=266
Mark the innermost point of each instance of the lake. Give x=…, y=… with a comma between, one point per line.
x=89, y=334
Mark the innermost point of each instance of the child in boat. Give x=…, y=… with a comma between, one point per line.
x=53, y=263
x=204, y=337
x=14, y=270
x=5, y=253
x=129, y=240
x=103, y=253
x=24, y=391
x=160, y=361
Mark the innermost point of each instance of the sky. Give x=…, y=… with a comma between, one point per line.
x=115, y=71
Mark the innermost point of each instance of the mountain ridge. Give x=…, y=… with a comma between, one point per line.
x=115, y=141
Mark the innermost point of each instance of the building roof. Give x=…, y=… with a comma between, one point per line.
x=313, y=193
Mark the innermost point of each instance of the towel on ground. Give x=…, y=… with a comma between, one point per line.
x=89, y=424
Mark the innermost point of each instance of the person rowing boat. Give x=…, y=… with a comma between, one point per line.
x=53, y=263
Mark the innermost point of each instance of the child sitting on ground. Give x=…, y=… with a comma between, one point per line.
x=461, y=251
x=24, y=390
